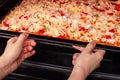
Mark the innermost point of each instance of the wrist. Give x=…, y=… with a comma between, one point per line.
x=4, y=67
x=78, y=73
x=2, y=62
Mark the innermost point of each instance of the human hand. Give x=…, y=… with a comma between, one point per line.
x=16, y=51
x=87, y=61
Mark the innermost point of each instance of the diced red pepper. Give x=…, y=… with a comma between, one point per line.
x=17, y=30
x=53, y=16
x=67, y=36
x=86, y=4
x=20, y=17
x=64, y=36
x=107, y=36
x=54, y=0
x=117, y=7
x=97, y=9
x=5, y=24
x=61, y=12
x=113, y=3
x=112, y=30
x=62, y=3
x=25, y=29
x=81, y=28
x=61, y=36
x=85, y=13
x=26, y=17
x=110, y=14
x=41, y=31
x=67, y=27
x=106, y=8
x=70, y=24
x=77, y=2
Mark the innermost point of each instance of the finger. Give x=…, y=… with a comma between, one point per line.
x=27, y=49
x=12, y=40
x=29, y=42
x=78, y=48
x=89, y=48
x=75, y=56
x=73, y=62
x=29, y=54
x=22, y=38
x=100, y=53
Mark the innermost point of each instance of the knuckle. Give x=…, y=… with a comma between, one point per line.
x=9, y=40
x=100, y=57
x=103, y=51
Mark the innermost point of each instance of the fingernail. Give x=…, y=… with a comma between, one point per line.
x=26, y=34
x=93, y=43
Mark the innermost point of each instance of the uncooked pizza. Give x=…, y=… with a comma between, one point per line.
x=79, y=20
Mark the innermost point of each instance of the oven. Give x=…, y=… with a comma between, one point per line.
x=53, y=57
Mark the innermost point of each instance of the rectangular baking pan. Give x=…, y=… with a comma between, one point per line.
x=51, y=60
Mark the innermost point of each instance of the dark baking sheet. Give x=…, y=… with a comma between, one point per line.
x=8, y=5
x=2, y=2
x=56, y=60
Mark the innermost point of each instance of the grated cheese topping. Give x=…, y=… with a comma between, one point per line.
x=89, y=20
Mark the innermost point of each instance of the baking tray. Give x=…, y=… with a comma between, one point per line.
x=56, y=60
x=8, y=5
x=2, y=2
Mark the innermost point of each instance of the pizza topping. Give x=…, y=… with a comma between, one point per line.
x=112, y=30
x=61, y=12
x=85, y=13
x=54, y=0
x=107, y=36
x=97, y=4
x=5, y=24
x=87, y=4
x=117, y=7
x=96, y=15
x=17, y=30
x=98, y=9
x=106, y=8
x=25, y=29
x=77, y=2
x=26, y=17
x=61, y=36
x=41, y=31
x=81, y=28
x=20, y=17
x=83, y=20
x=53, y=16
x=111, y=21
x=62, y=3
x=110, y=14
x=113, y=3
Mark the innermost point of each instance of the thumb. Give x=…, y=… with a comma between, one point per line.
x=12, y=40
x=22, y=37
